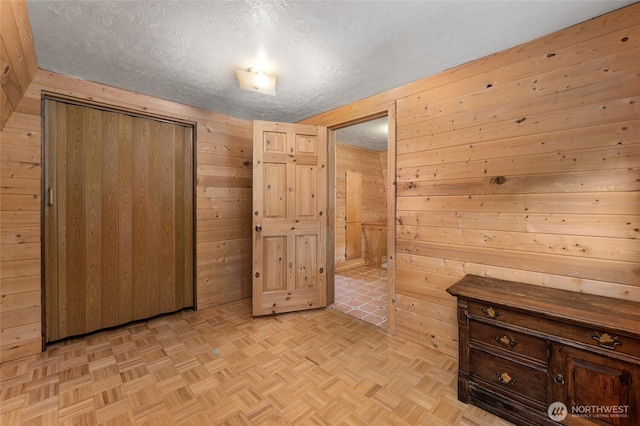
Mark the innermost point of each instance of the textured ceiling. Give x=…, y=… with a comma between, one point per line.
x=371, y=134
x=324, y=54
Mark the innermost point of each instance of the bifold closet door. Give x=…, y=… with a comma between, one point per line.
x=118, y=218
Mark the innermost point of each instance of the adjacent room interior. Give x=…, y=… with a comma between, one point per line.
x=362, y=221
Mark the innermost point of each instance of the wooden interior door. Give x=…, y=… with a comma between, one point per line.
x=354, y=215
x=118, y=218
x=290, y=217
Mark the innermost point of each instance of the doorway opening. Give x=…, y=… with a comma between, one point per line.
x=362, y=217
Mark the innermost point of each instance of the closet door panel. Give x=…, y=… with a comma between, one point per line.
x=167, y=250
x=140, y=221
x=183, y=219
x=153, y=220
x=110, y=219
x=180, y=228
x=50, y=241
x=118, y=219
x=126, y=191
x=93, y=218
x=73, y=287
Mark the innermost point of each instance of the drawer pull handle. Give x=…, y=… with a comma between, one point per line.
x=506, y=340
x=606, y=341
x=505, y=378
x=490, y=312
x=559, y=379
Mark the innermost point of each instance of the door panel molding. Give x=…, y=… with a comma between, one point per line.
x=290, y=217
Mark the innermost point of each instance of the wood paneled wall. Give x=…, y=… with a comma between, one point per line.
x=523, y=165
x=374, y=197
x=18, y=63
x=223, y=204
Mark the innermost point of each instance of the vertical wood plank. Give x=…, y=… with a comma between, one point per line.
x=353, y=201
x=391, y=217
x=61, y=211
x=275, y=199
x=306, y=247
x=110, y=219
x=154, y=212
x=179, y=229
x=322, y=250
x=10, y=84
x=354, y=196
x=330, y=184
x=13, y=45
x=306, y=191
x=21, y=16
x=188, y=217
x=140, y=213
x=167, y=279
x=93, y=218
x=125, y=218
x=276, y=256
x=75, y=283
x=354, y=236
x=50, y=242
x=126, y=190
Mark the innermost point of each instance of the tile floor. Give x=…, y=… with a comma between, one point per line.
x=362, y=293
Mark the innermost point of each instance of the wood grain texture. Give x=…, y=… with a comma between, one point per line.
x=523, y=166
x=17, y=56
x=290, y=218
x=223, y=192
x=222, y=366
x=373, y=199
x=88, y=293
x=353, y=217
x=552, y=343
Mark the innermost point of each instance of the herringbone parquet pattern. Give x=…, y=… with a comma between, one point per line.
x=221, y=366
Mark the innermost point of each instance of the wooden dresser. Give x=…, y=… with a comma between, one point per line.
x=524, y=348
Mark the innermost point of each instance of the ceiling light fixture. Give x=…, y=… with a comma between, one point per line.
x=256, y=80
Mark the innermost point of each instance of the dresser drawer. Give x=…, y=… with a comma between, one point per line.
x=498, y=313
x=595, y=337
x=508, y=340
x=511, y=376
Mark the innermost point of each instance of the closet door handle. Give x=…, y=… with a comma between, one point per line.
x=50, y=197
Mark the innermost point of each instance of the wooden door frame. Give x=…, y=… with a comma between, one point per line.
x=69, y=99
x=389, y=111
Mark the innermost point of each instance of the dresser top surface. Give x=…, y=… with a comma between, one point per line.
x=616, y=314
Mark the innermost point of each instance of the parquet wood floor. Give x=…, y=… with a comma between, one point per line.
x=221, y=366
